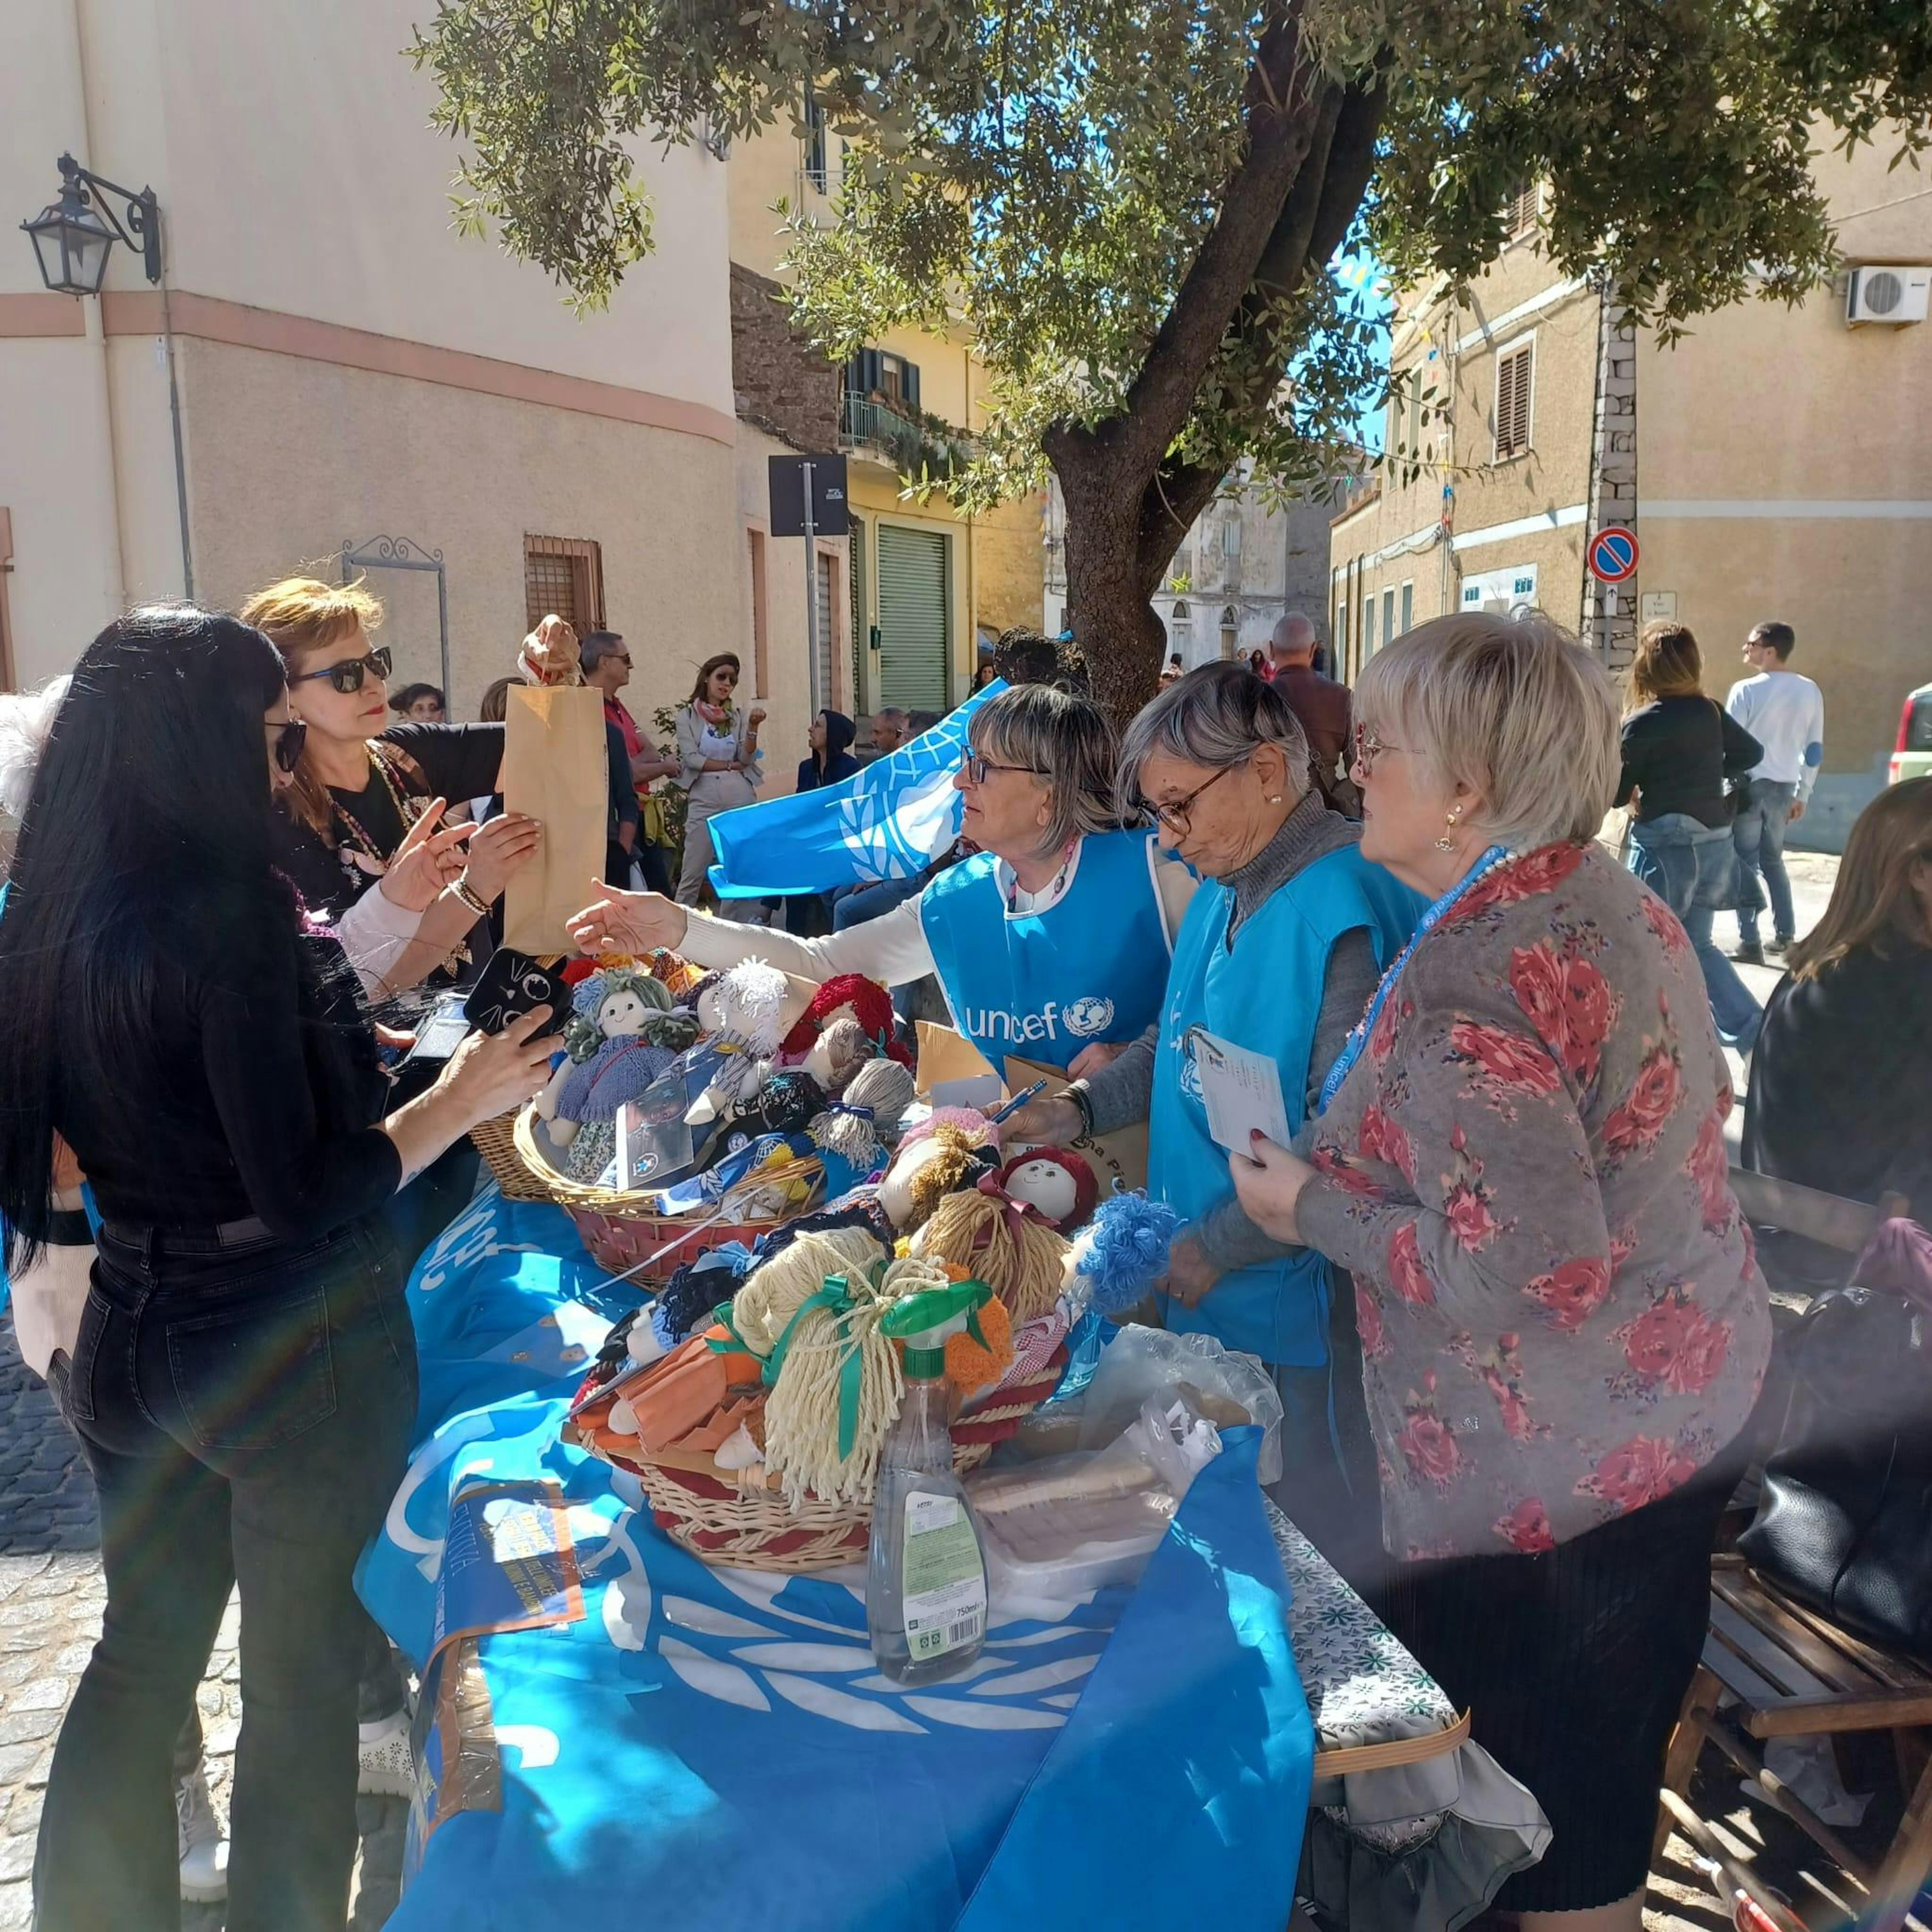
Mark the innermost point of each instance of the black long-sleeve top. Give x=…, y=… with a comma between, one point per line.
x=254, y=1090
x=1677, y=752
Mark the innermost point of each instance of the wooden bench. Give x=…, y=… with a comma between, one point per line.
x=1795, y=1672
x=1791, y=1670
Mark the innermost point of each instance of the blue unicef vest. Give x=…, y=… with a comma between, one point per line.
x=1044, y=985
x=1263, y=994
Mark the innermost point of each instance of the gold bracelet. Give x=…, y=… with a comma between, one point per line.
x=480, y=906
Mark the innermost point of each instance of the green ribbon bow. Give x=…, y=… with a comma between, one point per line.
x=835, y=1296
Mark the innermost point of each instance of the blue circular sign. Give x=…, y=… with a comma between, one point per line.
x=1612, y=554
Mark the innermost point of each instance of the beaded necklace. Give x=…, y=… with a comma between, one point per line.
x=358, y=833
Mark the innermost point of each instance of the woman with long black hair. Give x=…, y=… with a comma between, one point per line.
x=244, y=1375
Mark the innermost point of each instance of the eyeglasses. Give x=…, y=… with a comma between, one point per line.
x=726, y=676
x=350, y=675
x=1175, y=813
x=976, y=768
x=1368, y=748
x=290, y=739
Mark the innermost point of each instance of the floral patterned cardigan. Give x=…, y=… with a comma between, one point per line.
x=1560, y=1313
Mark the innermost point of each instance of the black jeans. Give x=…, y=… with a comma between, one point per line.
x=246, y=1415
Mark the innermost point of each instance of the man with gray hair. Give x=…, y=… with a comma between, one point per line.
x=890, y=730
x=1322, y=706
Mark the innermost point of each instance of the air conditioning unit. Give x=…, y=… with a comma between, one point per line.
x=1892, y=291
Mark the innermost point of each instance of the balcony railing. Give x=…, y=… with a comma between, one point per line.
x=915, y=447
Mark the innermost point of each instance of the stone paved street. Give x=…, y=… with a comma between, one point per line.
x=51, y=1596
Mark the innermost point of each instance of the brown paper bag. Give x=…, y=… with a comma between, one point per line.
x=556, y=769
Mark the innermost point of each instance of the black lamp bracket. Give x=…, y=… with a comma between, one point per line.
x=139, y=223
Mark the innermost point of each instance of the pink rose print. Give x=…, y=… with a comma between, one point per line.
x=1571, y=1294
x=1409, y=1276
x=1501, y=1372
x=1637, y=1120
x=1380, y=1139
x=1381, y=1035
x=1708, y=1165
x=1466, y=1200
x=1335, y=1167
x=1536, y=979
x=1526, y=1528
x=1641, y=1471
x=1664, y=923
x=1623, y=1245
x=1674, y=1342
x=1428, y=1445
x=1506, y=1057
x=1538, y=871
x=1374, y=1337
x=1568, y=1002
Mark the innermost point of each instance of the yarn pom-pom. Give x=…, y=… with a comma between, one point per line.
x=1123, y=1252
x=972, y=1365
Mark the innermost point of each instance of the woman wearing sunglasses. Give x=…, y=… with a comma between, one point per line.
x=718, y=763
x=1280, y=951
x=1052, y=942
x=363, y=838
x=243, y=1378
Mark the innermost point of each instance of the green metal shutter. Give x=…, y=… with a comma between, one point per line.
x=828, y=699
x=913, y=570
x=856, y=577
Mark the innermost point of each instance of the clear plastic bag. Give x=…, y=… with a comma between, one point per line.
x=1063, y=1527
x=1227, y=1387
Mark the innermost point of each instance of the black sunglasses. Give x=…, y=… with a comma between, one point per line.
x=352, y=673
x=289, y=739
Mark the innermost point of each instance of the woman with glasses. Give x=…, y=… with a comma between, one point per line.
x=1519, y=1155
x=1280, y=951
x=718, y=763
x=243, y=1377
x=1052, y=942
x=362, y=837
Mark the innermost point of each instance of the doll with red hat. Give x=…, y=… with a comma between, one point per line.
x=846, y=996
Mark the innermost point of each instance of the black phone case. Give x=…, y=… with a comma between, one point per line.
x=514, y=983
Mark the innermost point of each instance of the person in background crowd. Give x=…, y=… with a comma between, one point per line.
x=889, y=730
x=1173, y=663
x=606, y=666
x=421, y=702
x=718, y=764
x=987, y=674
x=360, y=789
x=1520, y=1155
x=1838, y=1090
x=494, y=705
x=1280, y=951
x=1169, y=677
x=918, y=723
x=830, y=761
x=1023, y=656
x=1051, y=941
x=1679, y=748
x=244, y=1380
x=1318, y=663
x=1786, y=714
x=1258, y=663
x=1321, y=705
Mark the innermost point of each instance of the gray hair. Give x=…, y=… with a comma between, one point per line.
x=894, y=711
x=598, y=645
x=1514, y=708
x=1067, y=740
x=1216, y=717
x=1292, y=633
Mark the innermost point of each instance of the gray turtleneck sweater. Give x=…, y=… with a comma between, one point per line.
x=1122, y=1093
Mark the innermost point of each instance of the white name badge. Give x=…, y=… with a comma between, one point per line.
x=1241, y=1090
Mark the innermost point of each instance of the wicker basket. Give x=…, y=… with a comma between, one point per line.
x=753, y=1528
x=495, y=1140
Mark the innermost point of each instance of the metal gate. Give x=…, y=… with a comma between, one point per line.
x=827, y=697
x=399, y=554
x=915, y=573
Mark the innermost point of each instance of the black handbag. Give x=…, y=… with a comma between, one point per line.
x=1844, y=1521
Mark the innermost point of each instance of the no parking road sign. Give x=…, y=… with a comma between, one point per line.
x=1612, y=554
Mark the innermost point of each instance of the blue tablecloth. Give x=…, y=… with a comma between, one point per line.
x=702, y=1746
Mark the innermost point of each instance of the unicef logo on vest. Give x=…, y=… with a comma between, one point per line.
x=1085, y=1017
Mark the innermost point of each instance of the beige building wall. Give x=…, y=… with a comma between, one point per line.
x=348, y=366
x=997, y=575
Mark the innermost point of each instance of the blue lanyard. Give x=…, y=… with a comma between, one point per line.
x=1352, y=1050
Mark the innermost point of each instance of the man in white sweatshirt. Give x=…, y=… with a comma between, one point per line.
x=1786, y=714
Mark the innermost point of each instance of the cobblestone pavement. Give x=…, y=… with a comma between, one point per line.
x=51, y=1596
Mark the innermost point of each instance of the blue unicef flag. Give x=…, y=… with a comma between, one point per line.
x=713, y=1745
x=888, y=821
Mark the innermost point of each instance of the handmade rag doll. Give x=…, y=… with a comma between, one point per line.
x=621, y=1035
x=846, y=996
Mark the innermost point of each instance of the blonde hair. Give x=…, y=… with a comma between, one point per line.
x=1667, y=664
x=1873, y=899
x=299, y=616
x=1514, y=708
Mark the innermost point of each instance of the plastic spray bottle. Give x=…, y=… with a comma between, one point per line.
x=926, y=1580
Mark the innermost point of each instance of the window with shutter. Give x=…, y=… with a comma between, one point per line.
x=1521, y=210
x=1514, y=373
x=563, y=575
